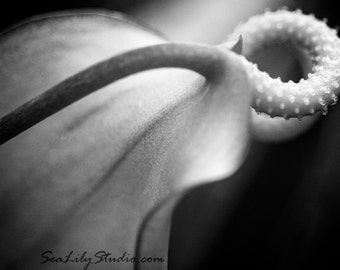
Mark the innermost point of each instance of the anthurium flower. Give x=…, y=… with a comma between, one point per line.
x=85, y=178
x=106, y=172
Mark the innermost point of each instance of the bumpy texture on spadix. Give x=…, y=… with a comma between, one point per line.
x=305, y=32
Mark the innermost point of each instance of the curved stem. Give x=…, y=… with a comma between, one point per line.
x=271, y=96
x=208, y=61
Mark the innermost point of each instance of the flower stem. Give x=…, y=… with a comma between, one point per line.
x=206, y=60
x=271, y=95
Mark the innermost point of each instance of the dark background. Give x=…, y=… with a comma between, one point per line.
x=279, y=211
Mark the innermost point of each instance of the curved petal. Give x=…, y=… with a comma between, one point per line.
x=84, y=179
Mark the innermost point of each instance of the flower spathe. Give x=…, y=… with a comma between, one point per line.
x=173, y=129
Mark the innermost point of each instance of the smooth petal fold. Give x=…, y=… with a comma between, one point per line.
x=85, y=178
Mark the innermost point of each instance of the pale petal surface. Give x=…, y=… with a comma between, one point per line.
x=85, y=178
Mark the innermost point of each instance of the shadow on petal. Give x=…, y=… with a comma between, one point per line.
x=85, y=178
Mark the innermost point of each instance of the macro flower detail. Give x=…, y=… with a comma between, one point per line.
x=108, y=171
x=86, y=178
x=308, y=35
